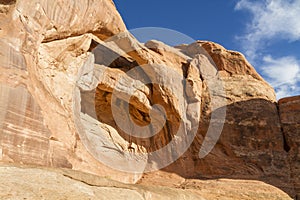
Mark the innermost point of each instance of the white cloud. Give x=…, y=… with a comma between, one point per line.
x=271, y=19
x=283, y=74
x=283, y=70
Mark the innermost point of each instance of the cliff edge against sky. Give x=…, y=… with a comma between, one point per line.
x=80, y=94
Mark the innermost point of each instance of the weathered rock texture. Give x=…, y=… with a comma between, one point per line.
x=43, y=47
x=41, y=183
x=289, y=112
x=69, y=73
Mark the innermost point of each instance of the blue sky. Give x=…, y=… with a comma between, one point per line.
x=266, y=31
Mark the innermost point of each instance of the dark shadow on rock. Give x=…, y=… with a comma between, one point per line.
x=7, y=2
x=251, y=147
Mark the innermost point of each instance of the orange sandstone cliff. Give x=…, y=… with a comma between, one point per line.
x=89, y=112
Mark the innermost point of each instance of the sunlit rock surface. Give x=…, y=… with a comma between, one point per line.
x=78, y=91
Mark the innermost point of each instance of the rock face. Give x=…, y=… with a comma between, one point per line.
x=78, y=91
x=289, y=112
x=251, y=143
x=39, y=183
x=42, y=52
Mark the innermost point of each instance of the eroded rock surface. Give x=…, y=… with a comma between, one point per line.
x=41, y=183
x=44, y=44
x=289, y=112
x=78, y=91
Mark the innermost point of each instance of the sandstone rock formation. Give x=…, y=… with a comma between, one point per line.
x=40, y=183
x=78, y=91
x=289, y=112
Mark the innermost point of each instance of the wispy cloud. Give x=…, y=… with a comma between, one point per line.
x=273, y=20
x=283, y=74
